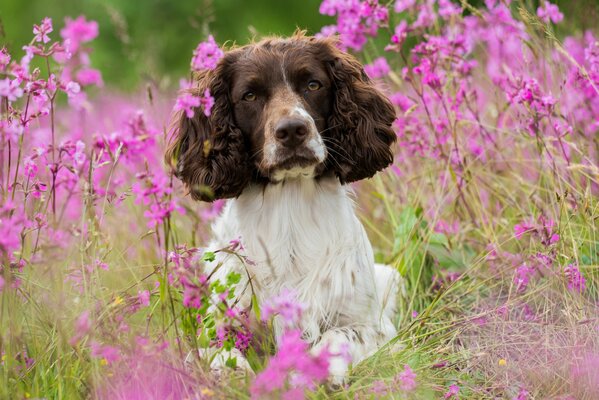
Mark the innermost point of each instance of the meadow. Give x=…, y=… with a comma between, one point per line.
x=489, y=213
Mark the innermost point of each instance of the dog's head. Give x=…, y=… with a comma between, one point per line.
x=283, y=108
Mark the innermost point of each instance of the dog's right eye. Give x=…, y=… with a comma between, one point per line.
x=249, y=96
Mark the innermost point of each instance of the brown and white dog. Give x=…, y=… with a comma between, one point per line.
x=294, y=121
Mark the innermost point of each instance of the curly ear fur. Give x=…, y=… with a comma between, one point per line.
x=360, y=124
x=209, y=154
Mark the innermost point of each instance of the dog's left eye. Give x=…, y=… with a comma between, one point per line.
x=314, y=85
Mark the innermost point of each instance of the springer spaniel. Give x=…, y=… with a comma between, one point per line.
x=294, y=121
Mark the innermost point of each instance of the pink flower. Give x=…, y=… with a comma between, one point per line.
x=213, y=210
x=293, y=367
x=378, y=68
x=406, y=379
x=158, y=212
x=576, y=281
x=109, y=353
x=10, y=89
x=82, y=327
x=143, y=296
x=522, y=228
x=79, y=154
x=1, y=283
x=403, y=5
x=285, y=305
x=207, y=102
x=89, y=76
x=188, y=103
x=41, y=31
x=401, y=32
x=522, y=277
x=4, y=58
x=78, y=31
x=447, y=9
x=522, y=394
x=452, y=393
x=550, y=12
x=206, y=55
x=30, y=167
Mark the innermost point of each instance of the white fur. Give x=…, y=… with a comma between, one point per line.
x=303, y=234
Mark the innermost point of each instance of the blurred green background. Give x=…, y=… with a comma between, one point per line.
x=142, y=40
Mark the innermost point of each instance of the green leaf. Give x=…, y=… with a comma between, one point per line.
x=209, y=256
x=233, y=278
x=231, y=362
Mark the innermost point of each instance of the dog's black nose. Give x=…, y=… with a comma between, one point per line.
x=291, y=132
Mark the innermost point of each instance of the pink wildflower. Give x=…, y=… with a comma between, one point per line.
x=576, y=281
x=452, y=393
x=522, y=394
x=206, y=55
x=79, y=154
x=522, y=277
x=447, y=9
x=109, y=353
x=78, y=31
x=403, y=5
x=378, y=68
x=550, y=12
x=143, y=296
x=188, y=103
x=292, y=365
x=30, y=167
x=89, y=76
x=406, y=379
x=41, y=31
x=522, y=228
x=285, y=305
x=10, y=89
x=4, y=58
x=82, y=327
x=400, y=34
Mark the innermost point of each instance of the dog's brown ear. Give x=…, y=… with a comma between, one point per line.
x=209, y=153
x=360, y=123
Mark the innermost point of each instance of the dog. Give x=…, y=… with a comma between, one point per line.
x=294, y=121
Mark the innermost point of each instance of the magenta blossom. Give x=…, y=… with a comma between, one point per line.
x=522, y=394
x=89, y=76
x=452, y=393
x=10, y=89
x=403, y=5
x=378, y=68
x=286, y=305
x=550, y=12
x=406, y=379
x=82, y=327
x=109, y=353
x=4, y=58
x=189, y=103
x=206, y=55
x=77, y=31
x=576, y=281
x=143, y=296
x=292, y=370
x=41, y=31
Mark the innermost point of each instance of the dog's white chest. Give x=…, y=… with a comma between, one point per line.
x=303, y=235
